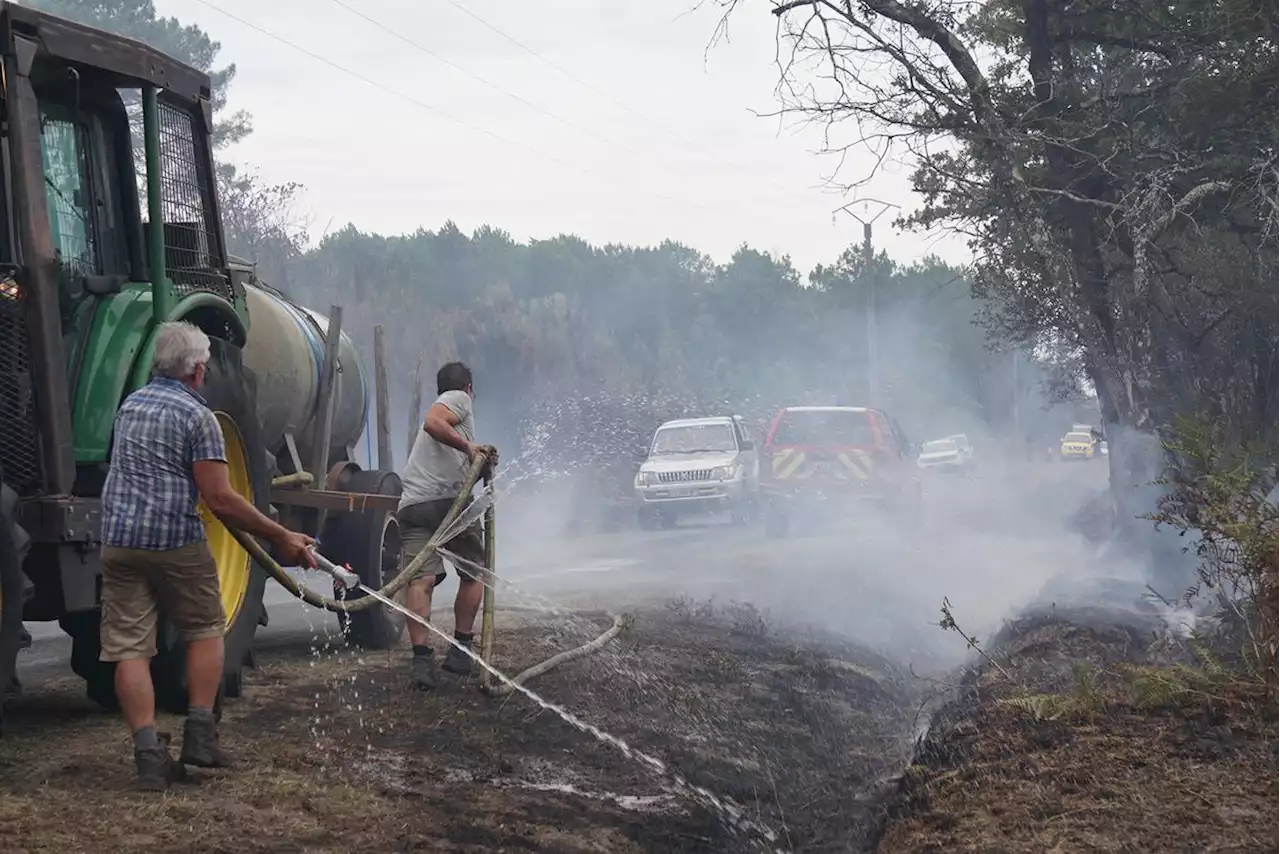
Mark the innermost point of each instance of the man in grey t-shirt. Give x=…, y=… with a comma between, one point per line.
x=432, y=481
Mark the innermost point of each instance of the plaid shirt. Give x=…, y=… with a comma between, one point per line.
x=149, y=499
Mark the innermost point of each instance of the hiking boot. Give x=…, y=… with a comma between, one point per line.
x=177, y=771
x=422, y=672
x=153, y=769
x=200, y=745
x=457, y=661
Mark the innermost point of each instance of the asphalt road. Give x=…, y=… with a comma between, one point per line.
x=988, y=544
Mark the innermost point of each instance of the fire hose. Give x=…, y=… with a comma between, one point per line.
x=391, y=588
x=347, y=579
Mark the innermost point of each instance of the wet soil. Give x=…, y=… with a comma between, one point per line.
x=804, y=735
x=1092, y=736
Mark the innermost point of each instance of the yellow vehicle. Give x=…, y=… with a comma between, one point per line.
x=1079, y=446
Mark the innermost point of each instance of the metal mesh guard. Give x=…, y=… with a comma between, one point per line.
x=19, y=450
x=192, y=251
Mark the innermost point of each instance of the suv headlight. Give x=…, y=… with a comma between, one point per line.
x=728, y=472
x=646, y=478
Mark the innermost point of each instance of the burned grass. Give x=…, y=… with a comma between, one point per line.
x=1093, y=741
x=802, y=734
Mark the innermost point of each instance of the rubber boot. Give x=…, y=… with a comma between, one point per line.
x=200, y=745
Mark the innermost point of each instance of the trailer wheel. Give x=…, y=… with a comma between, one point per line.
x=370, y=543
x=12, y=539
x=230, y=390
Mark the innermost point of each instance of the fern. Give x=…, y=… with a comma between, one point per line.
x=1041, y=707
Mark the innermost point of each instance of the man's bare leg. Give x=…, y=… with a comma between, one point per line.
x=417, y=598
x=467, y=604
x=204, y=672
x=136, y=694
x=470, y=594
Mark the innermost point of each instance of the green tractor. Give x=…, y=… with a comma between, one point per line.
x=93, y=256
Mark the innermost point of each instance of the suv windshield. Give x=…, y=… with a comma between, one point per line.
x=939, y=446
x=823, y=427
x=694, y=438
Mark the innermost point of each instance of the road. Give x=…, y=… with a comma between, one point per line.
x=988, y=544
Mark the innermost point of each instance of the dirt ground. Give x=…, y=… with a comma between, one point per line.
x=1093, y=739
x=803, y=734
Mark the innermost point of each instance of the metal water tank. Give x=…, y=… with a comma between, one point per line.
x=286, y=352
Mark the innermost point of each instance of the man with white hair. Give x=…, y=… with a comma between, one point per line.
x=167, y=452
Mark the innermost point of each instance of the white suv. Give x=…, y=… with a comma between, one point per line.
x=698, y=465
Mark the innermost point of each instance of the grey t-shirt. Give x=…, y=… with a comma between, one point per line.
x=435, y=470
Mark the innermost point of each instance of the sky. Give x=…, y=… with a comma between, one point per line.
x=621, y=122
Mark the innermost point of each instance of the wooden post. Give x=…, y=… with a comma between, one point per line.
x=323, y=430
x=415, y=408
x=385, y=460
x=490, y=581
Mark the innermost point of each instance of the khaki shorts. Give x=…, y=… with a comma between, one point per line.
x=418, y=522
x=137, y=583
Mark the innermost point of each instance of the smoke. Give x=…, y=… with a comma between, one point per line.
x=574, y=416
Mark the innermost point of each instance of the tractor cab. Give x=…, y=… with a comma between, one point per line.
x=109, y=221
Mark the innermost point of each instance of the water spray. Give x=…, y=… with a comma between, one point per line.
x=463, y=513
x=732, y=815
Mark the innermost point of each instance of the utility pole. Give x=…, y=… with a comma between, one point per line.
x=1017, y=400
x=868, y=255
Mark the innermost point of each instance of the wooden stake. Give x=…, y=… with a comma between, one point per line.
x=486, y=617
x=381, y=398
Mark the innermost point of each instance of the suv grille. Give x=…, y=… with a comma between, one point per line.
x=684, y=476
x=19, y=448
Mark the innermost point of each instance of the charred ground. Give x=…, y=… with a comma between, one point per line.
x=804, y=734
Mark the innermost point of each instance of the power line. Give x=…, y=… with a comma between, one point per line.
x=433, y=109
x=550, y=63
x=569, y=123
x=546, y=61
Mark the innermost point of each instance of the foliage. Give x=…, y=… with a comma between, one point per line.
x=258, y=222
x=1113, y=165
x=1218, y=492
x=581, y=350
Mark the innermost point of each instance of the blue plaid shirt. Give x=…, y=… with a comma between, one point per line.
x=149, y=499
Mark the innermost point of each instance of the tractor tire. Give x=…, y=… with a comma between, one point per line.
x=83, y=627
x=370, y=543
x=231, y=393
x=12, y=542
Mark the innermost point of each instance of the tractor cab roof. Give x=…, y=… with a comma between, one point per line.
x=131, y=62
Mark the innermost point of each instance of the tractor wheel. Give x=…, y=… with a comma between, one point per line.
x=231, y=392
x=12, y=539
x=370, y=543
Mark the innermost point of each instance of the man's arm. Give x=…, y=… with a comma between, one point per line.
x=441, y=424
x=214, y=482
x=207, y=451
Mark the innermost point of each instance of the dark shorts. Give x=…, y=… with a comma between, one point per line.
x=418, y=522
x=137, y=583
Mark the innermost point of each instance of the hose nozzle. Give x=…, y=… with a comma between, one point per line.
x=341, y=574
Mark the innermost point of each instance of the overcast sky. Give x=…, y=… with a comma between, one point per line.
x=646, y=133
